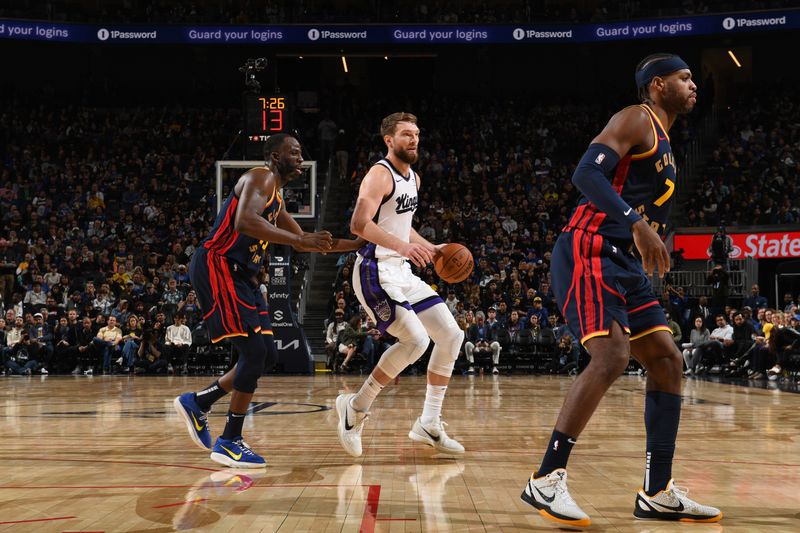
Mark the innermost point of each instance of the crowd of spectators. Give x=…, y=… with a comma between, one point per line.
x=514, y=197
x=101, y=210
x=752, y=176
x=354, y=11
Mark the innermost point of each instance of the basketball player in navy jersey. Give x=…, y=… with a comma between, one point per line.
x=223, y=273
x=627, y=178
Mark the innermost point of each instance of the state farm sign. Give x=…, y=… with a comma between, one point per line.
x=758, y=245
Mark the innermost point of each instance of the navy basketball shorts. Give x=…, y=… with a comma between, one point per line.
x=596, y=282
x=229, y=298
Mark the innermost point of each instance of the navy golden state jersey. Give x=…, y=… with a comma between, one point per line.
x=645, y=181
x=226, y=241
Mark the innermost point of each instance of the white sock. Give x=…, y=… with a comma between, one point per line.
x=364, y=398
x=434, y=397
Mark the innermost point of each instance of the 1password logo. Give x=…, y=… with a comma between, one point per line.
x=103, y=34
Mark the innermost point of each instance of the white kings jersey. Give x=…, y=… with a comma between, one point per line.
x=396, y=212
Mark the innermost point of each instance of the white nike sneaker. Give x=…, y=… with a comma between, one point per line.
x=351, y=422
x=435, y=435
x=550, y=496
x=673, y=503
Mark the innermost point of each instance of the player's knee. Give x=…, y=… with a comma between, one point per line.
x=450, y=339
x=444, y=355
x=417, y=344
x=610, y=365
x=252, y=354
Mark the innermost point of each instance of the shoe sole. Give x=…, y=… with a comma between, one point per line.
x=579, y=525
x=224, y=460
x=189, y=424
x=679, y=517
x=341, y=411
x=430, y=442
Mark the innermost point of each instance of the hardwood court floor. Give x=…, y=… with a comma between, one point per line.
x=109, y=454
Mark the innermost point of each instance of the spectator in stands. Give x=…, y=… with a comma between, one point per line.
x=3, y=345
x=703, y=311
x=170, y=299
x=678, y=303
x=190, y=309
x=720, y=248
x=783, y=340
x=677, y=334
x=788, y=303
x=514, y=325
x=106, y=342
x=332, y=335
x=8, y=266
x=64, y=344
x=177, y=342
x=104, y=301
x=539, y=310
x=755, y=301
x=719, y=281
x=352, y=337
x=567, y=355
x=482, y=338
x=372, y=347
x=712, y=351
x=132, y=334
x=698, y=336
x=22, y=356
x=42, y=338
x=148, y=356
x=743, y=341
x=35, y=298
x=85, y=353
x=542, y=336
x=343, y=276
x=451, y=301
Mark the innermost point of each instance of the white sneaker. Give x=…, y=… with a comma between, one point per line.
x=44, y=371
x=119, y=361
x=89, y=372
x=351, y=422
x=471, y=369
x=495, y=371
x=550, y=496
x=435, y=435
x=673, y=504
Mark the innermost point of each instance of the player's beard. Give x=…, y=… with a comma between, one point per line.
x=287, y=170
x=678, y=103
x=406, y=156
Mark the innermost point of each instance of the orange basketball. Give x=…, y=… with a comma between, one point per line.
x=453, y=263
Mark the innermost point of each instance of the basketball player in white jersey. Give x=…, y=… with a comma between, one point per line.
x=397, y=300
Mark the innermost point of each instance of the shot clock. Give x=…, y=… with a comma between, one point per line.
x=265, y=115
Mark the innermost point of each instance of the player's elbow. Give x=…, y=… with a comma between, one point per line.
x=357, y=226
x=241, y=225
x=579, y=176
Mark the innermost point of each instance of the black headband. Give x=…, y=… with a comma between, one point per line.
x=659, y=67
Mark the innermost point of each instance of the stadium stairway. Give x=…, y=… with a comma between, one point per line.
x=338, y=199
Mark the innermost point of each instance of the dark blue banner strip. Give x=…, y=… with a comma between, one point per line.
x=400, y=34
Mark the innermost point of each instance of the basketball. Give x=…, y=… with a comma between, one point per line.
x=454, y=263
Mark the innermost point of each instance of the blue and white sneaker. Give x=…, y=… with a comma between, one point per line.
x=236, y=453
x=195, y=418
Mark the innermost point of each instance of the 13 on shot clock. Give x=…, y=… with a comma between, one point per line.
x=265, y=115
